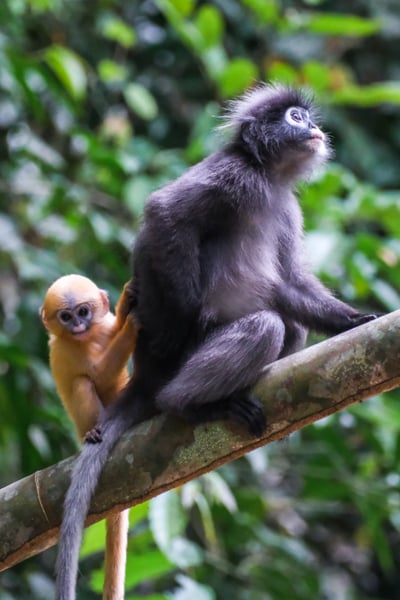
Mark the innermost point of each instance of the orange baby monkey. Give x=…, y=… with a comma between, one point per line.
x=89, y=351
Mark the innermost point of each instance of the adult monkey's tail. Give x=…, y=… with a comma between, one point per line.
x=85, y=475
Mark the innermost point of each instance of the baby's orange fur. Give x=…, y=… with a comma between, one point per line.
x=89, y=365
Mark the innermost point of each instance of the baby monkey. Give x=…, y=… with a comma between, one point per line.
x=89, y=351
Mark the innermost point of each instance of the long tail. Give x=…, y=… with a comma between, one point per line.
x=117, y=526
x=85, y=476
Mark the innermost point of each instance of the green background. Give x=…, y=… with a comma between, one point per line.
x=102, y=102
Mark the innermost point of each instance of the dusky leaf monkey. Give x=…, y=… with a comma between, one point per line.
x=220, y=287
x=89, y=351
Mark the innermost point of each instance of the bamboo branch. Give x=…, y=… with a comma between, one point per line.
x=164, y=453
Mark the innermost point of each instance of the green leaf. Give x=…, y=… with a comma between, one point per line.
x=138, y=513
x=219, y=490
x=381, y=413
x=385, y=293
x=103, y=228
x=93, y=539
x=10, y=239
x=135, y=193
x=139, y=568
x=316, y=74
x=190, y=589
x=148, y=597
x=382, y=546
x=369, y=95
x=167, y=518
x=40, y=6
x=147, y=565
x=343, y=25
x=168, y=521
x=183, y=553
x=203, y=135
x=184, y=7
x=210, y=24
x=69, y=69
x=239, y=74
x=266, y=11
x=111, y=72
x=176, y=12
x=117, y=30
x=282, y=71
x=141, y=101
x=215, y=61
x=95, y=535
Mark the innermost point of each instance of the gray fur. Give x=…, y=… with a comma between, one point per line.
x=84, y=479
x=220, y=287
x=231, y=358
x=245, y=268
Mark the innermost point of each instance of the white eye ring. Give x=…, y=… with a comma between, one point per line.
x=295, y=117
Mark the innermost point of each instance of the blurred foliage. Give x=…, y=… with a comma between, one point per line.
x=100, y=103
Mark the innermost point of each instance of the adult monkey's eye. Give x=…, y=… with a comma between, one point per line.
x=296, y=115
x=65, y=316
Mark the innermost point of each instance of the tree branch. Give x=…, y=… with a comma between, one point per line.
x=165, y=452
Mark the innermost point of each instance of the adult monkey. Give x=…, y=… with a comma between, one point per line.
x=220, y=288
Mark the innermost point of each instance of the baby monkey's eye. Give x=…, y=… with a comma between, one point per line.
x=65, y=316
x=83, y=311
